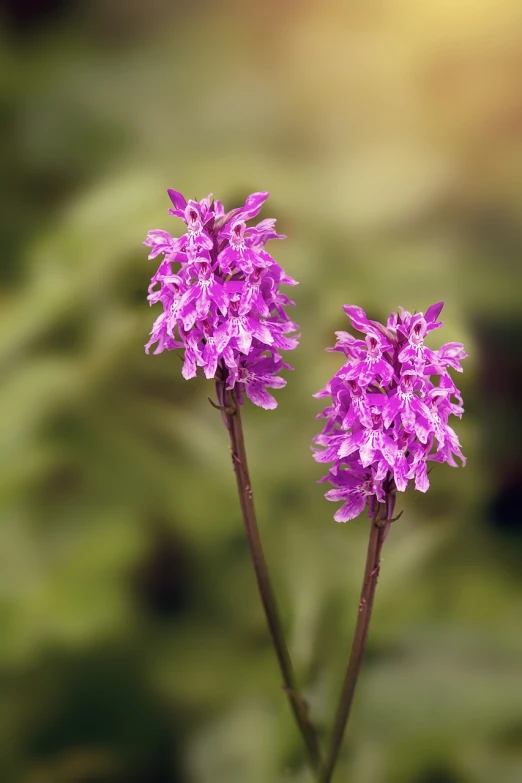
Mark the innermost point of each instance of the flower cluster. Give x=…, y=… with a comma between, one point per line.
x=390, y=407
x=221, y=303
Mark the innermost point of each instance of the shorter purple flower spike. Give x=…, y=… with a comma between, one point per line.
x=222, y=305
x=391, y=402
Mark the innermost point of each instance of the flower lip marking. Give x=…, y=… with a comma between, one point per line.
x=204, y=271
x=237, y=236
x=405, y=390
x=376, y=417
x=418, y=332
x=193, y=221
x=374, y=352
x=254, y=278
x=355, y=389
x=234, y=306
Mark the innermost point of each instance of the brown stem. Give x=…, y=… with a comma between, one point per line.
x=378, y=530
x=230, y=412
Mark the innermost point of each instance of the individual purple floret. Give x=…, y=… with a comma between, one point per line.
x=391, y=402
x=222, y=304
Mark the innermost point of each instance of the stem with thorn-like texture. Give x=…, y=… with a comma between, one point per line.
x=230, y=411
x=378, y=530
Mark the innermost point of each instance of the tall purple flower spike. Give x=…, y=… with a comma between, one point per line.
x=222, y=304
x=391, y=402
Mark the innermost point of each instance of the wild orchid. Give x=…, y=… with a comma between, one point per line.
x=223, y=308
x=391, y=402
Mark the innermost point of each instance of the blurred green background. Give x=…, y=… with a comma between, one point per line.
x=132, y=644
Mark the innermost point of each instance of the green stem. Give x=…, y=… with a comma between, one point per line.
x=371, y=574
x=232, y=418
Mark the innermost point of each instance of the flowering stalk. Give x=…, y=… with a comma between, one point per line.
x=389, y=411
x=232, y=417
x=222, y=306
x=378, y=532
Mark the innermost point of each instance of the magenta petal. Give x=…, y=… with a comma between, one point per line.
x=351, y=509
x=189, y=366
x=347, y=447
x=205, y=241
x=407, y=354
x=391, y=409
x=422, y=482
x=188, y=297
x=367, y=450
x=388, y=448
x=336, y=494
x=253, y=205
x=357, y=316
x=210, y=358
x=260, y=331
x=219, y=296
x=261, y=305
x=433, y=312
x=227, y=258
x=244, y=338
x=177, y=199
x=202, y=302
x=259, y=395
x=222, y=336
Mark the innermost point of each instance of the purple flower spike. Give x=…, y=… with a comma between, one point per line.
x=391, y=402
x=222, y=304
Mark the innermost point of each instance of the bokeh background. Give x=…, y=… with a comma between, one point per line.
x=132, y=644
